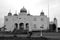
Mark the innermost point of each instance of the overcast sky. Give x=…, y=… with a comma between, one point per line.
x=33, y=6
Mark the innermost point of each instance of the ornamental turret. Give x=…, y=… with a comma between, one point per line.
x=9, y=14
x=42, y=13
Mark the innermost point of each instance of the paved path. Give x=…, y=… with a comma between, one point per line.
x=48, y=35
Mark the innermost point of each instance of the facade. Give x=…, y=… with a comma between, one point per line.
x=25, y=21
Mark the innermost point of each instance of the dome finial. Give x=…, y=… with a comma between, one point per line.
x=9, y=10
x=15, y=11
x=23, y=6
x=42, y=10
x=28, y=11
x=42, y=13
x=10, y=14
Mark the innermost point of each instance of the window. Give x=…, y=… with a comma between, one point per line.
x=34, y=25
x=42, y=19
x=34, y=19
x=42, y=26
x=19, y=18
x=6, y=19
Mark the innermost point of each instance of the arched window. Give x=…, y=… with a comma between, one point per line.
x=34, y=25
x=21, y=26
x=35, y=19
x=6, y=19
x=16, y=25
x=15, y=28
x=27, y=26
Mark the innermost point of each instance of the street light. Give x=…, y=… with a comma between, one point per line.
x=41, y=29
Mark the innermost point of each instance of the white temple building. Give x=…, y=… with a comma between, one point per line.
x=25, y=21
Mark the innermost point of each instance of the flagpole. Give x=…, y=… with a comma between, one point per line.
x=48, y=8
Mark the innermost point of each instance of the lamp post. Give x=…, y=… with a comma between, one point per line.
x=41, y=32
x=41, y=29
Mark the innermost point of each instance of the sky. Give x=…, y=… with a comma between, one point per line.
x=33, y=6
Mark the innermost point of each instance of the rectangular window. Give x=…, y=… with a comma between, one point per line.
x=35, y=19
x=34, y=25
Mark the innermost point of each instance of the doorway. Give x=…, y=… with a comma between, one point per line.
x=21, y=26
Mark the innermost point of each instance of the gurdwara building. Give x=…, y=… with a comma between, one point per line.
x=26, y=21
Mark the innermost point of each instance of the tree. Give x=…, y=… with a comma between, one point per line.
x=3, y=28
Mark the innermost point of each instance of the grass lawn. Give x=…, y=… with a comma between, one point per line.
x=46, y=36
x=24, y=38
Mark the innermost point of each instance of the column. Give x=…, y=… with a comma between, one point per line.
x=56, y=28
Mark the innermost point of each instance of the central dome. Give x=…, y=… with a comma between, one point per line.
x=23, y=10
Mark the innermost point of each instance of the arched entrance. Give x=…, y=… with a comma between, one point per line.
x=52, y=27
x=21, y=26
x=27, y=26
x=15, y=27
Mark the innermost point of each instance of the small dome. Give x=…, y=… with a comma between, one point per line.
x=42, y=13
x=9, y=14
x=23, y=10
x=28, y=14
x=15, y=15
x=54, y=18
